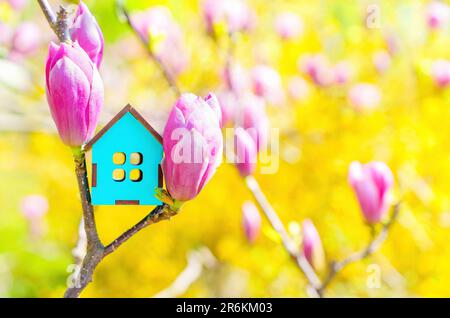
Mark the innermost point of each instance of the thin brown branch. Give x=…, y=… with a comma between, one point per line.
x=278, y=226
x=48, y=12
x=58, y=23
x=170, y=79
x=372, y=247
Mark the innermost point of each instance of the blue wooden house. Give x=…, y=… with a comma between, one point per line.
x=126, y=156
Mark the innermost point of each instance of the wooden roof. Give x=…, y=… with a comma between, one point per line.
x=119, y=115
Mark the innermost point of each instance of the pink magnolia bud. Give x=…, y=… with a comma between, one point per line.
x=267, y=84
x=364, y=96
x=228, y=102
x=440, y=72
x=74, y=92
x=235, y=14
x=26, y=39
x=312, y=246
x=157, y=26
x=246, y=152
x=87, y=33
x=213, y=102
x=192, y=143
x=342, y=72
x=34, y=206
x=236, y=78
x=251, y=221
x=317, y=68
x=437, y=14
x=372, y=184
x=382, y=61
x=289, y=25
x=255, y=120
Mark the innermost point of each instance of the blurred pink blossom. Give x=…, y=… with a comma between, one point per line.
x=267, y=83
x=255, y=120
x=382, y=61
x=440, y=72
x=236, y=78
x=246, y=152
x=318, y=68
x=251, y=221
x=158, y=28
x=33, y=208
x=26, y=39
x=364, y=96
x=235, y=14
x=342, y=72
x=289, y=25
x=437, y=14
x=17, y=4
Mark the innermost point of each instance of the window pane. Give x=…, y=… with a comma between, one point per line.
x=118, y=174
x=136, y=158
x=136, y=175
x=119, y=158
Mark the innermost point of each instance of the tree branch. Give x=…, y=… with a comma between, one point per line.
x=373, y=246
x=58, y=23
x=278, y=226
x=170, y=79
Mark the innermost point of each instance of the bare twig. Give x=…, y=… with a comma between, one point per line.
x=79, y=252
x=278, y=226
x=170, y=79
x=57, y=22
x=373, y=246
x=197, y=260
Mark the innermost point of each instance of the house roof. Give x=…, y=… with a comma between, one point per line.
x=116, y=118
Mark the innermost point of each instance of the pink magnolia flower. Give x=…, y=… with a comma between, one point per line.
x=372, y=184
x=158, y=28
x=437, y=14
x=267, y=84
x=364, y=96
x=235, y=14
x=236, y=78
x=74, y=92
x=17, y=4
x=87, y=33
x=382, y=61
x=26, y=39
x=227, y=102
x=317, y=68
x=192, y=143
x=312, y=246
x=255, y=120
x=251, y=221
x=288, y=25
x=213, y=102
x=298, y=88
x=34, y=206
x=246, y=152
x=342, y=72
x=440, y=72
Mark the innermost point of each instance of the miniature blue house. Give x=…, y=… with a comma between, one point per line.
x=126, y=156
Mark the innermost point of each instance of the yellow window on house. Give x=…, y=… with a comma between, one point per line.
x=119, y=158
x=136, y=175
x=118, y=174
